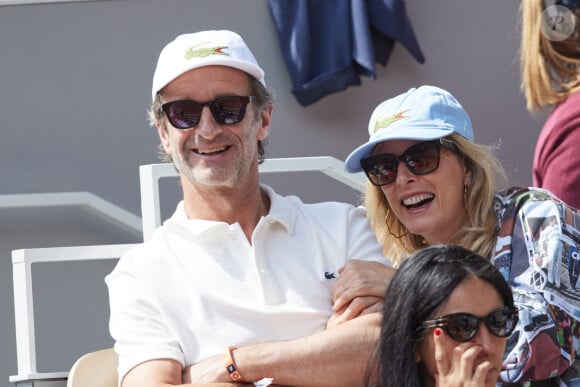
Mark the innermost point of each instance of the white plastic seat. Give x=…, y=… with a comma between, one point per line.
x=94, y=369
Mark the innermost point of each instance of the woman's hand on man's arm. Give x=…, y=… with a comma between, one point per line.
x=359, y=289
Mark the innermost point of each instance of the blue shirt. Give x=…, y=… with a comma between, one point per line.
x=327, y=45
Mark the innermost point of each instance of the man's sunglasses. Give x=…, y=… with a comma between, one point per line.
x=185, y=114
x=463, y=327
x=421, y=159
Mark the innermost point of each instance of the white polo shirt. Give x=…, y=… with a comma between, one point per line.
x=199, y=286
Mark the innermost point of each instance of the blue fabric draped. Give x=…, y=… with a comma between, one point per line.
x=328, y=45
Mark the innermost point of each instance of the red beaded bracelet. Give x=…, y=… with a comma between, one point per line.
x=231, y=366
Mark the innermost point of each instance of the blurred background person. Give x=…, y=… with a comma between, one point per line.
x=550, y=80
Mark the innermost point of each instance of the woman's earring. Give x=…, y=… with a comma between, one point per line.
x=389, y=229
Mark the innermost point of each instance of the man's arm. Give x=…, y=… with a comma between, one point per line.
x=335, y=357
x=164, y=372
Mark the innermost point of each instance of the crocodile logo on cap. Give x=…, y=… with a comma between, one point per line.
x=385, y=121
x=203, y=52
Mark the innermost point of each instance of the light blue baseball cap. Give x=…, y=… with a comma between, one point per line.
x=424, y=113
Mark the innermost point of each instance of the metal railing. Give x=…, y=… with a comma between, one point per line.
x=150, y=175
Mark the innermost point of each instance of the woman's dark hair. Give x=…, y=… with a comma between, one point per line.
x=417, y=291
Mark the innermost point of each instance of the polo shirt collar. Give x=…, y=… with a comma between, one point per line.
x=281, y=211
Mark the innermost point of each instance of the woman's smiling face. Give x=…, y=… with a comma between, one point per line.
x=430, y=205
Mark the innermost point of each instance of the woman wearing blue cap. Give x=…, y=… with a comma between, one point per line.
x=430, y=183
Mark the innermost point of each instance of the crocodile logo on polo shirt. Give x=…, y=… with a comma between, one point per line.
x=385, y=121
x=329, y=275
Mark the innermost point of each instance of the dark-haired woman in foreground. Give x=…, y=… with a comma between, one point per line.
x=458, y=311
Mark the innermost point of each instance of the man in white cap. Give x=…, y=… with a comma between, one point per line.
x=236, y=285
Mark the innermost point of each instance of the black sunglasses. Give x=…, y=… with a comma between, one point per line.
x=185, y=114
x=421, y=159
x=463, y=327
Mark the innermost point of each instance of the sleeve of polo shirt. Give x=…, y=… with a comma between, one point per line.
x=136, y=323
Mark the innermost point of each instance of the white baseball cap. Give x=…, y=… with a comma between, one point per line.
x=424, y=113
x=205, y=48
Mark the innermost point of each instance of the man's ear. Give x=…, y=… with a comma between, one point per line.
x=266, y=116
x=164, y=137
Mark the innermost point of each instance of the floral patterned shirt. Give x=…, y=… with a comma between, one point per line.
x=538, y=252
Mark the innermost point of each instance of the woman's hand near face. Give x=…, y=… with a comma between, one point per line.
x=458, y=369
